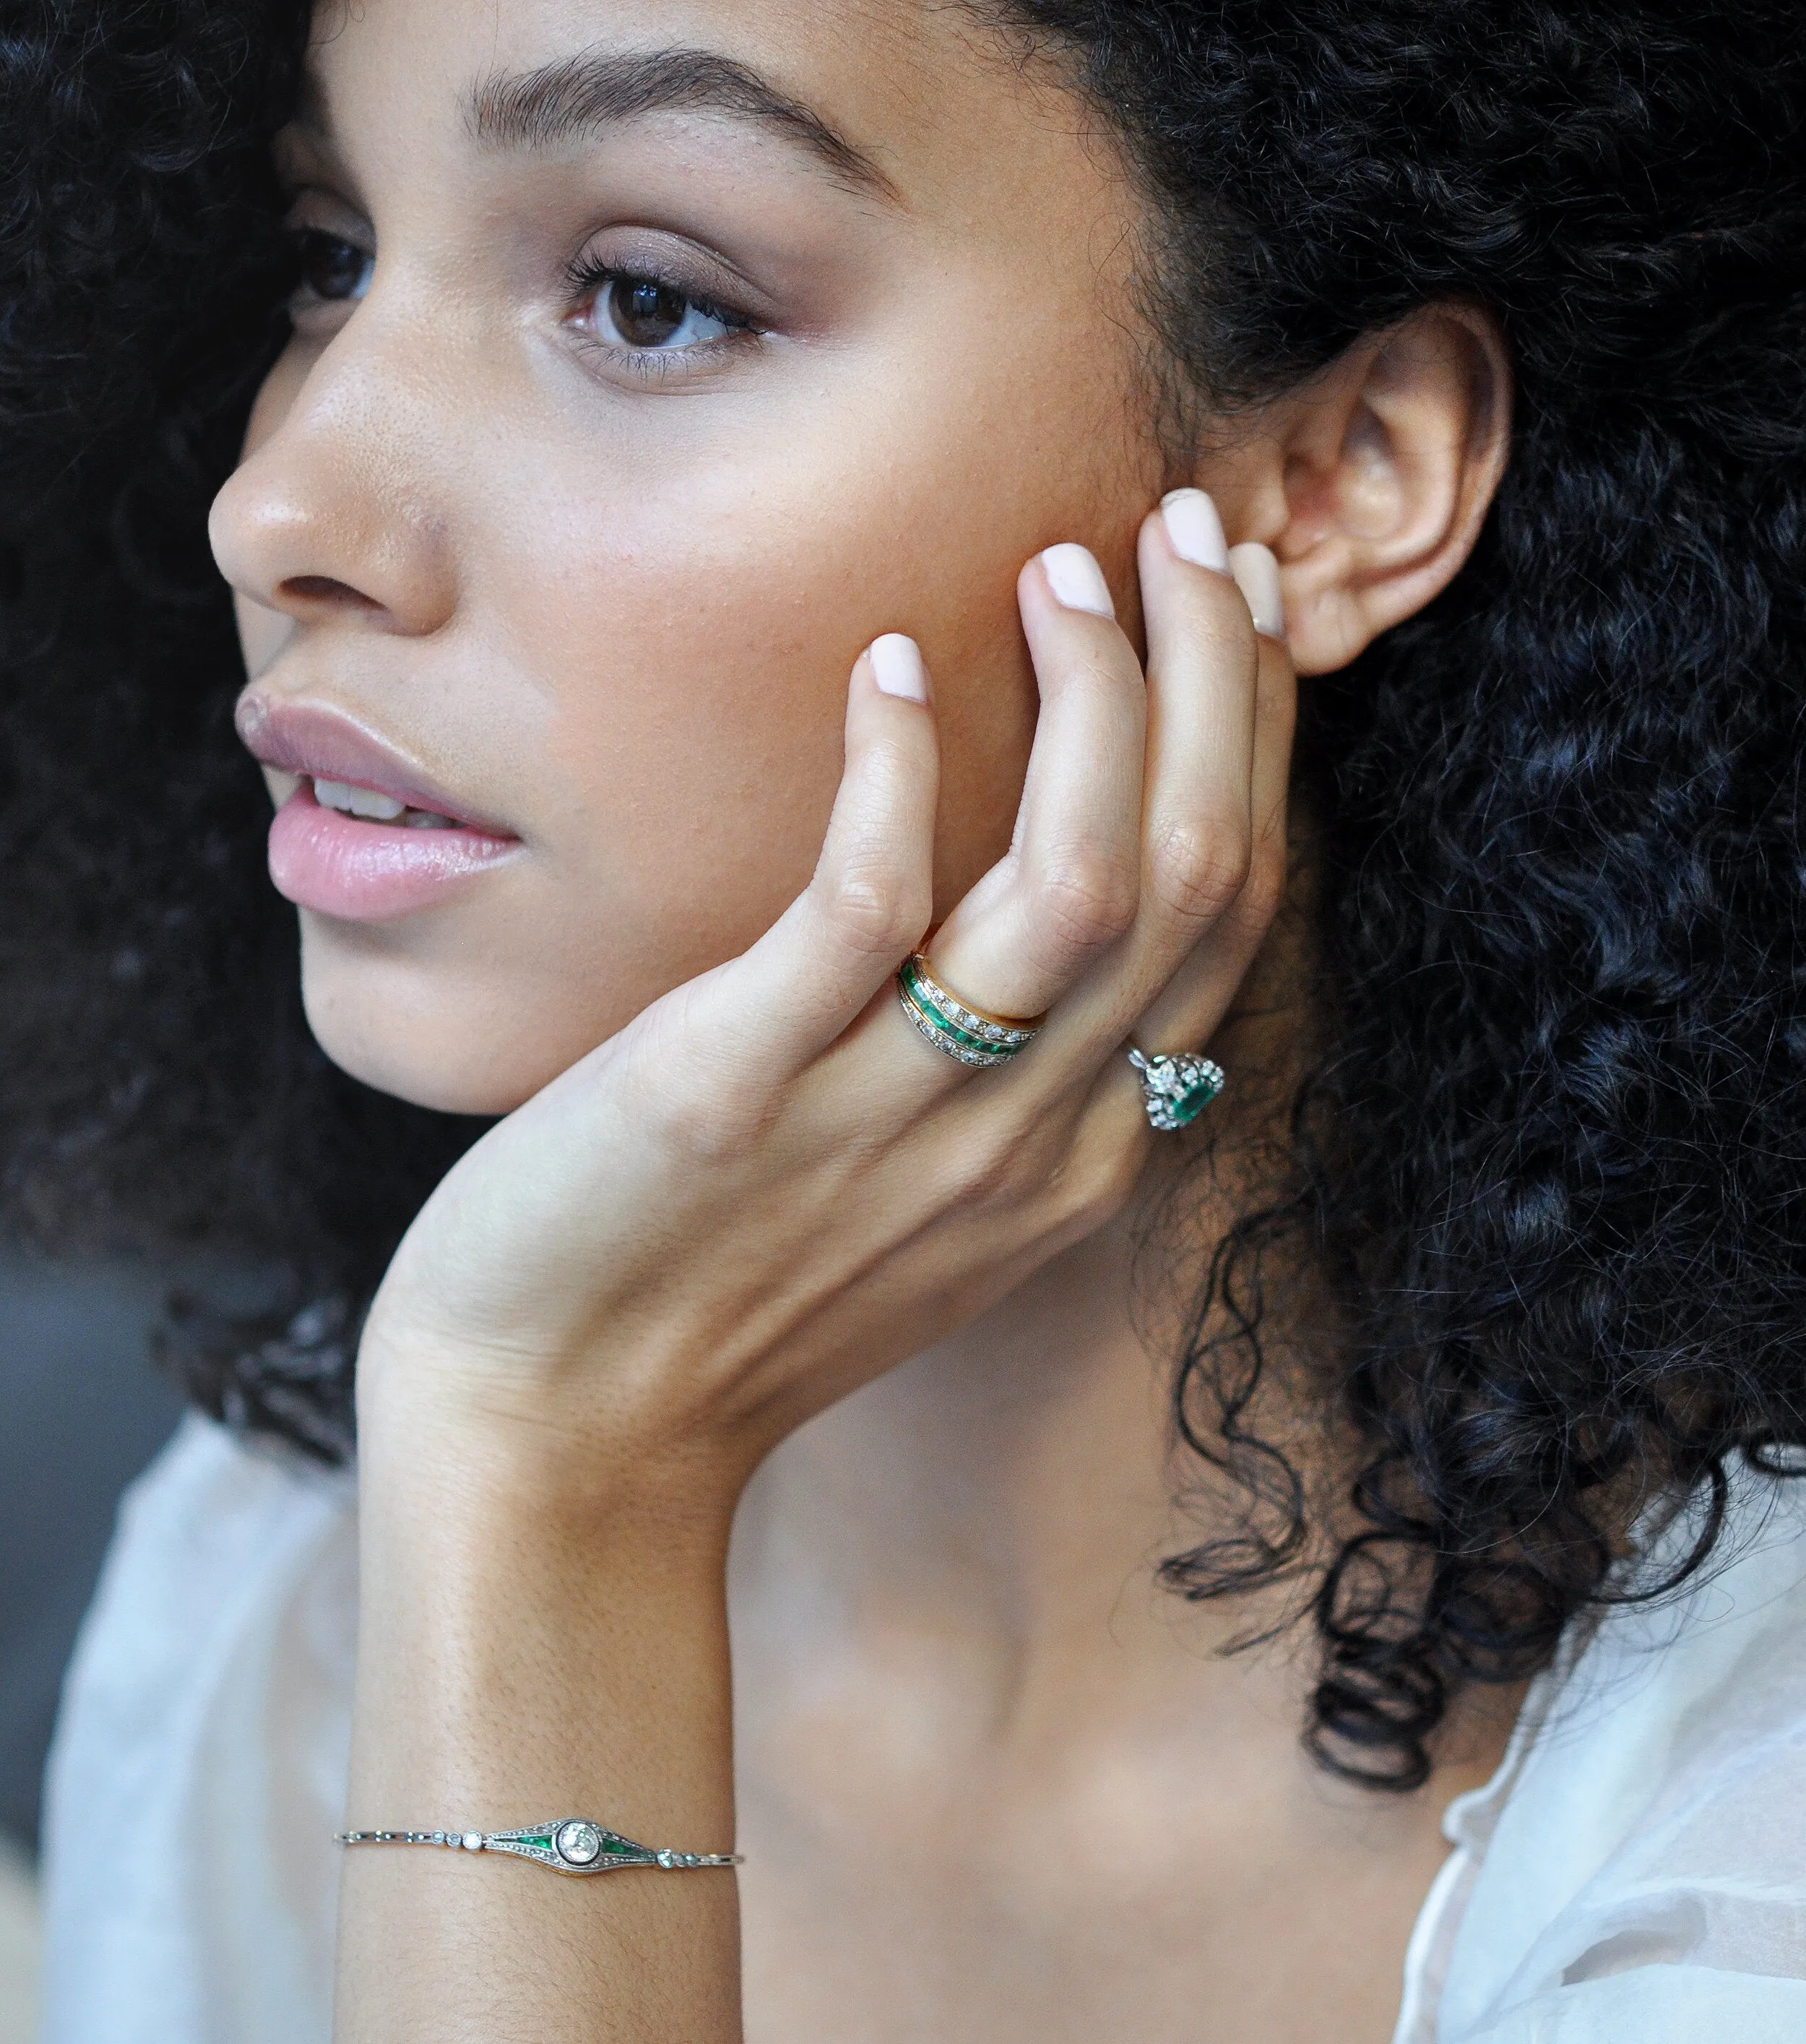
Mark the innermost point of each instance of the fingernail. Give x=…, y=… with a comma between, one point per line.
x=1194, y=530
x=897, y=667
x=1077, y=581
x=1256, y=576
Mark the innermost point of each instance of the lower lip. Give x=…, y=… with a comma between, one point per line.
x=361, y=872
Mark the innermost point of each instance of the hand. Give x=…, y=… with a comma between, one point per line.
x=767, y=1189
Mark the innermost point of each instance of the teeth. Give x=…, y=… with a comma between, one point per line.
x=358, y=802
x=365, y=802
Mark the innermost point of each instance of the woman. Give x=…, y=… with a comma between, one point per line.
x=647, y=370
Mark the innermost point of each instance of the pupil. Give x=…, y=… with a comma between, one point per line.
x=646, y=314
x=331, y=268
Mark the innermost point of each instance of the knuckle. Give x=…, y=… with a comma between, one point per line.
x=1251, y=914
x=697, y=1112
x=700, y=1133
x=997, y=1175
x=1098, y=1188
x=1087, y=899
x=1266, y=887
x=873, y=914
x=1090, y=1182
x=1198, y=870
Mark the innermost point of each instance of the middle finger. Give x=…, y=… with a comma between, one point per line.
x=1197, y=824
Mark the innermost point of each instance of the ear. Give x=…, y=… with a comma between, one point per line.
x=1370, y=485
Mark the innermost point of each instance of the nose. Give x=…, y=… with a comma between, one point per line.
x=330, y=518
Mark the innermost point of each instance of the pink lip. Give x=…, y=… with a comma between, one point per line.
x=345, y=867
x=325, y=745
x=364, y=872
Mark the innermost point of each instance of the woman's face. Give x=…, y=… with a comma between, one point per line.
x=657, y=355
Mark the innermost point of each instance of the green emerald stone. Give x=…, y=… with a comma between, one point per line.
x=963, y=1037
x=1187, y=1108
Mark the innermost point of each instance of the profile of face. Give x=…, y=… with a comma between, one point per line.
x=652, y=359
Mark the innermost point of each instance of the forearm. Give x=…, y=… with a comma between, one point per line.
x=759, y=1195
x=530, y=1647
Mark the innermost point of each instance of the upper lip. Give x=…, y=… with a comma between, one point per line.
x=325, y=744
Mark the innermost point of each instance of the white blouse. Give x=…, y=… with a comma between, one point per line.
x=1635, y=1873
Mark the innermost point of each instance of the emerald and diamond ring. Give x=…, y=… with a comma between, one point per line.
x=1176, y=1090
x=966, y=1035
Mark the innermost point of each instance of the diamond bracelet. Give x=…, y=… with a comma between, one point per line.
x=567, y=1844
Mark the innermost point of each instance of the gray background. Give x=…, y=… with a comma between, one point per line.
x=82, y=1411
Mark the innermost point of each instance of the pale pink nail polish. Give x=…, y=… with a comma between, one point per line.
x=1256, y=576
x=1077, y=581
x=1194, y=530
x=897, y=667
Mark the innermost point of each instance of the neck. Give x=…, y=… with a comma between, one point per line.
x=1015, y=1484
x=997, y=1507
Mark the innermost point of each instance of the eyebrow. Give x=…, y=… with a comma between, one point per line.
x=562, y=101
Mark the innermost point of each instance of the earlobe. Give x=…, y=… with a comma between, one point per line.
x=1372, y=485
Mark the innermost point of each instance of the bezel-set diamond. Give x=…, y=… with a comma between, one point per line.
x=577, y=1843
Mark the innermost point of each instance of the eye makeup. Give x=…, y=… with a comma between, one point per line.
x=641, y=310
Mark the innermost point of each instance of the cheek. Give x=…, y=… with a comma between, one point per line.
x=697, y=654
x=693, y=746
x=650, y=670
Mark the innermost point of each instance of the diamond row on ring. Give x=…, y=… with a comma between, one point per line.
x=937, y=997
x=980, y=1041
x=945, y=1038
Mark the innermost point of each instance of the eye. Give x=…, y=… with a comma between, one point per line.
x=332, y=271
x=645, y=314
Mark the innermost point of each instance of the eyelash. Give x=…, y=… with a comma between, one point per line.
x=587, y=283
x=588, y=279
x=309, y=244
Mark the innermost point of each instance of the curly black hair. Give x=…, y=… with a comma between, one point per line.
x=1553, y=1158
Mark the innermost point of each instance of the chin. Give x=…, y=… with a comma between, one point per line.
x=462, y=1042
x=470, y=1083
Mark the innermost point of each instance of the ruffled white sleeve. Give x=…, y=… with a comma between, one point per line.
x=1637, y=1873
x=199, y=1768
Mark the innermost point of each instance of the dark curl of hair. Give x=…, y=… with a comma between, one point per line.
x=1552, y=1158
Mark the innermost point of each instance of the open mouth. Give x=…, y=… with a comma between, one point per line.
x=370, y=807
x=348, y=849
x=362, y=855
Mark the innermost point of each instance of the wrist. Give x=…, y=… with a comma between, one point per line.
x=565, y=1450
x=527, y=1636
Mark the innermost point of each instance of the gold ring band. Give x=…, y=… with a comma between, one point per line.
x=965, y=1034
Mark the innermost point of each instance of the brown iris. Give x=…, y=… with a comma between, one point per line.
x=331, y=268
x=645, y=314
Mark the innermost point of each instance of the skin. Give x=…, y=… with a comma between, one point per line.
x=505, y=502
x=990, y=1784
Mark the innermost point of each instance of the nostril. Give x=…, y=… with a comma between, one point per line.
x=317, y=592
